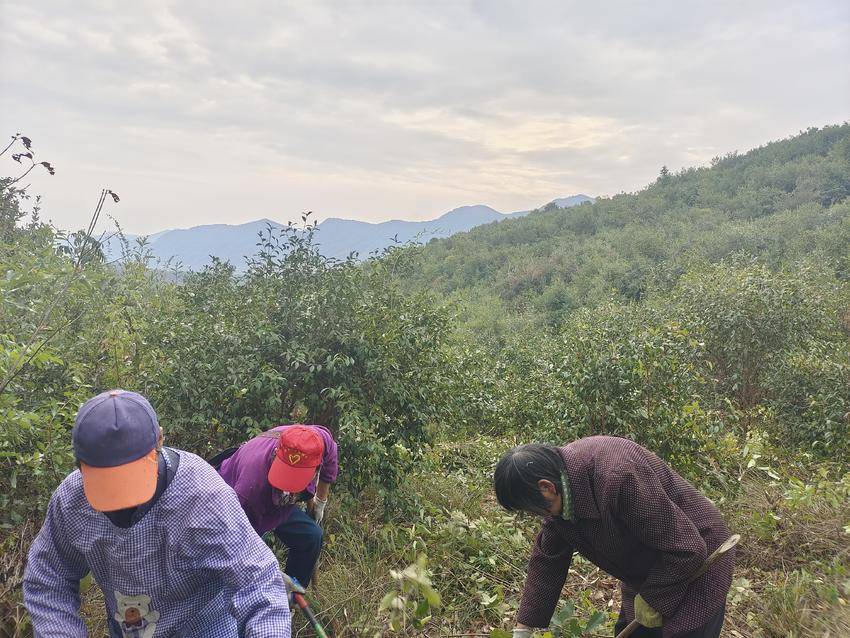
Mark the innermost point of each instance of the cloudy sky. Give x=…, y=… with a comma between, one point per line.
x=202, y=112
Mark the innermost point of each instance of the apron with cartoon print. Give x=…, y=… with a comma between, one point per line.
x=151, y=591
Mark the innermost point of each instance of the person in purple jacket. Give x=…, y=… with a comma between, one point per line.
x=274, y=472
x=626, y=511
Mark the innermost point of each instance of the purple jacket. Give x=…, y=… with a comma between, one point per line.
x=247, y=473
x=638, y=520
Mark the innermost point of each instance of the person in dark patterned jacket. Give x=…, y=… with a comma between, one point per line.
x=625, y=510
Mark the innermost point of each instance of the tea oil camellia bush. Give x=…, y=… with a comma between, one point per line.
x=302, y=337
x=620, y=370
x=810, y=391
x=774, y=340
x=626, y=371
x=749, y=316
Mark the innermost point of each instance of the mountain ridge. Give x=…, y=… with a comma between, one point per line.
x=337, y=237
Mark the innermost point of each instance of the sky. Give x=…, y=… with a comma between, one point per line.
x=199, y=112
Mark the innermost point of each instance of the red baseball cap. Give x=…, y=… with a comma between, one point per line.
x=298, y=453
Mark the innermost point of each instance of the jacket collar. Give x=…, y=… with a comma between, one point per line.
x=579, y=470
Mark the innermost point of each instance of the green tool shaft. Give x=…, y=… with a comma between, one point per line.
x=302, y=604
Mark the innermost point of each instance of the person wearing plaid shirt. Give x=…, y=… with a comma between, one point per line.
x=625, y=510
x=162, y=535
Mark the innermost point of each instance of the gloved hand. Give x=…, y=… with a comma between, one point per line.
x=318, y=509
x=292, y=585
x=525, y=632
x=645, y=614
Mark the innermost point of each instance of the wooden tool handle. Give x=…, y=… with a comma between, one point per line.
x=629, y=630
x=728, y=544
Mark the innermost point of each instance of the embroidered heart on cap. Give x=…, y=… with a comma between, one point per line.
x=298, y=457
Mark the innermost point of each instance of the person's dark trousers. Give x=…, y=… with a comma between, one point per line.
x=303, y=537
x=711, y=629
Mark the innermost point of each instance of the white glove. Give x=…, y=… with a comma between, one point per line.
x=319, y=509
x=525, y=632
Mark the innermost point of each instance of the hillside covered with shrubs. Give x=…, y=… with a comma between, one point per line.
x=706, y=317
x=780, y=202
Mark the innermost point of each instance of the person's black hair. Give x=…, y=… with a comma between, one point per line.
x=518, y=472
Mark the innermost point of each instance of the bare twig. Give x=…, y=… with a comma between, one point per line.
x=17, y=136
x=26, y=154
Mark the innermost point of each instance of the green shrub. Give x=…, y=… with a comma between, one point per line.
x=810, y=392
x=624, y=371
x=299, y=336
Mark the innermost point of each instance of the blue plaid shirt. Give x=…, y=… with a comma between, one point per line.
x=192, y=567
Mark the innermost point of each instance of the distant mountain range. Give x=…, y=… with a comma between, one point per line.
x=193, y=247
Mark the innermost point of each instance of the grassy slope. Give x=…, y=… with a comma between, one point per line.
x=793, y=577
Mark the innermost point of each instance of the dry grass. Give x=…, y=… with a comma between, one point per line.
x=794, y=562
x=13, y=550
x=799, y=604
x=782, y=534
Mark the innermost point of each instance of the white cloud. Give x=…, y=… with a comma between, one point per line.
x=198, y=112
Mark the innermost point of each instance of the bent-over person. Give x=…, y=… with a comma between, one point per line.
x=163, y=536
x=626, y=511
x=275, y=472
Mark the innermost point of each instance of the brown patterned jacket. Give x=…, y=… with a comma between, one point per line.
x=641, y=522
